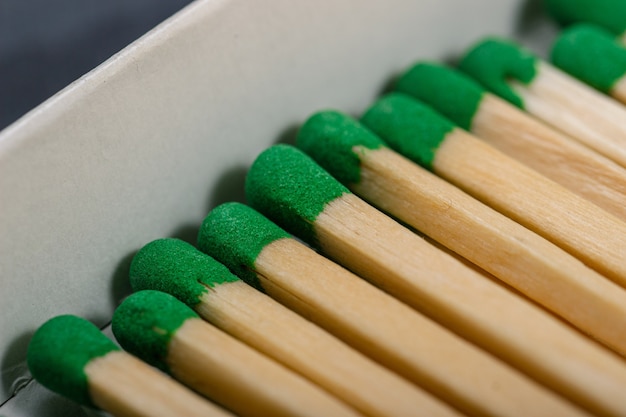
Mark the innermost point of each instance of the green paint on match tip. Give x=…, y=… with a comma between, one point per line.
x=145, y=323
x=59, y=351
x=235, y=235
x=590, y=54
x=447, y=90
x=609, y=14
x=177, y=268
x=492, y=62
x=291, y=189
x=409, y=127
x=330, y=138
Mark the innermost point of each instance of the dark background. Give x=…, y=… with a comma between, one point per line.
x=47, y=44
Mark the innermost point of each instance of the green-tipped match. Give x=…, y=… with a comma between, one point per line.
x=330, y=139
x=609, y=14
x=409, y=127
x=235, y=235
x=448, y=91
x=177, y=268
x=291, y=189
x=59, y=352
x=493, y=62
x=591, y=55
x=145, y=323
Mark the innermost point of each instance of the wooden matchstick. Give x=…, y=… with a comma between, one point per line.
x=591, y=234
x=549, y=94
x=608, y=14
x=72, y=357
x=520, y=136
x=387, y=330
x=593, y=56
x=480, y=234
x=218, y=296
x=296, y=193
x=166, y=333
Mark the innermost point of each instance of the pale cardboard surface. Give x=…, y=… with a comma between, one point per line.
x=146, y=144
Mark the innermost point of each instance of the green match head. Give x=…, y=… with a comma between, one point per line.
x=590, y=54
x=408, y=126
x=331, y=139
x=494, y=61
x=447, y=90
x=177, y=268
x=291, y=189
x=609, y=14
x=145, y=323
x=235, y=235
x=59, y=352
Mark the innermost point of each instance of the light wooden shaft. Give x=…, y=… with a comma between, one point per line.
x=591, y=234
x=278, y=332
x=551, y=153
x=242, y=379
x=509, y=251
x=406, y=266
x=126, y=387
x=399, y=337
x=585, y=114
x=619, y=90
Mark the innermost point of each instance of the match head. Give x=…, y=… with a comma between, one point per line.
x=177, y=268
x=609, y=14
x=590, y=54
x=235, y=235
x=331, y=139
x=145, y=323
x=59, y=352
x=408, y=126
x=492, y=62
x=447, y=90
x=291, y=189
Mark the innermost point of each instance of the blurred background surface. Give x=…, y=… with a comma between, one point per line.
x=47, y=44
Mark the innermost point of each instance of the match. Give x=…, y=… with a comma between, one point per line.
x=71, y=357
x=292, y=190
x=593, y=56
x=166, y=333
x=518, y=135
x=583, y=229
x=377, y=324
x=218, y=296
x=550, y=95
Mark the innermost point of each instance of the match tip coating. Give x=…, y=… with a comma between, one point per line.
x=145, y=323
x=291, y=189
x=331, y=139
x=447, y=90
x=59, y=351
x=408, y=126
x=493, y=61
x=608, y=14
x=177, y=268
x=235, y=235
x=590, y=54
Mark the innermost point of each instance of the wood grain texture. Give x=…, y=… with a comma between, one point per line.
x=585, y=114
x=126, y=387
x=281, y=334
x=406, y=266
x=583, y=229
x=398, y=337
x=552, y=153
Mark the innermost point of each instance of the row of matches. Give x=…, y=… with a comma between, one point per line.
x=396, y=265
